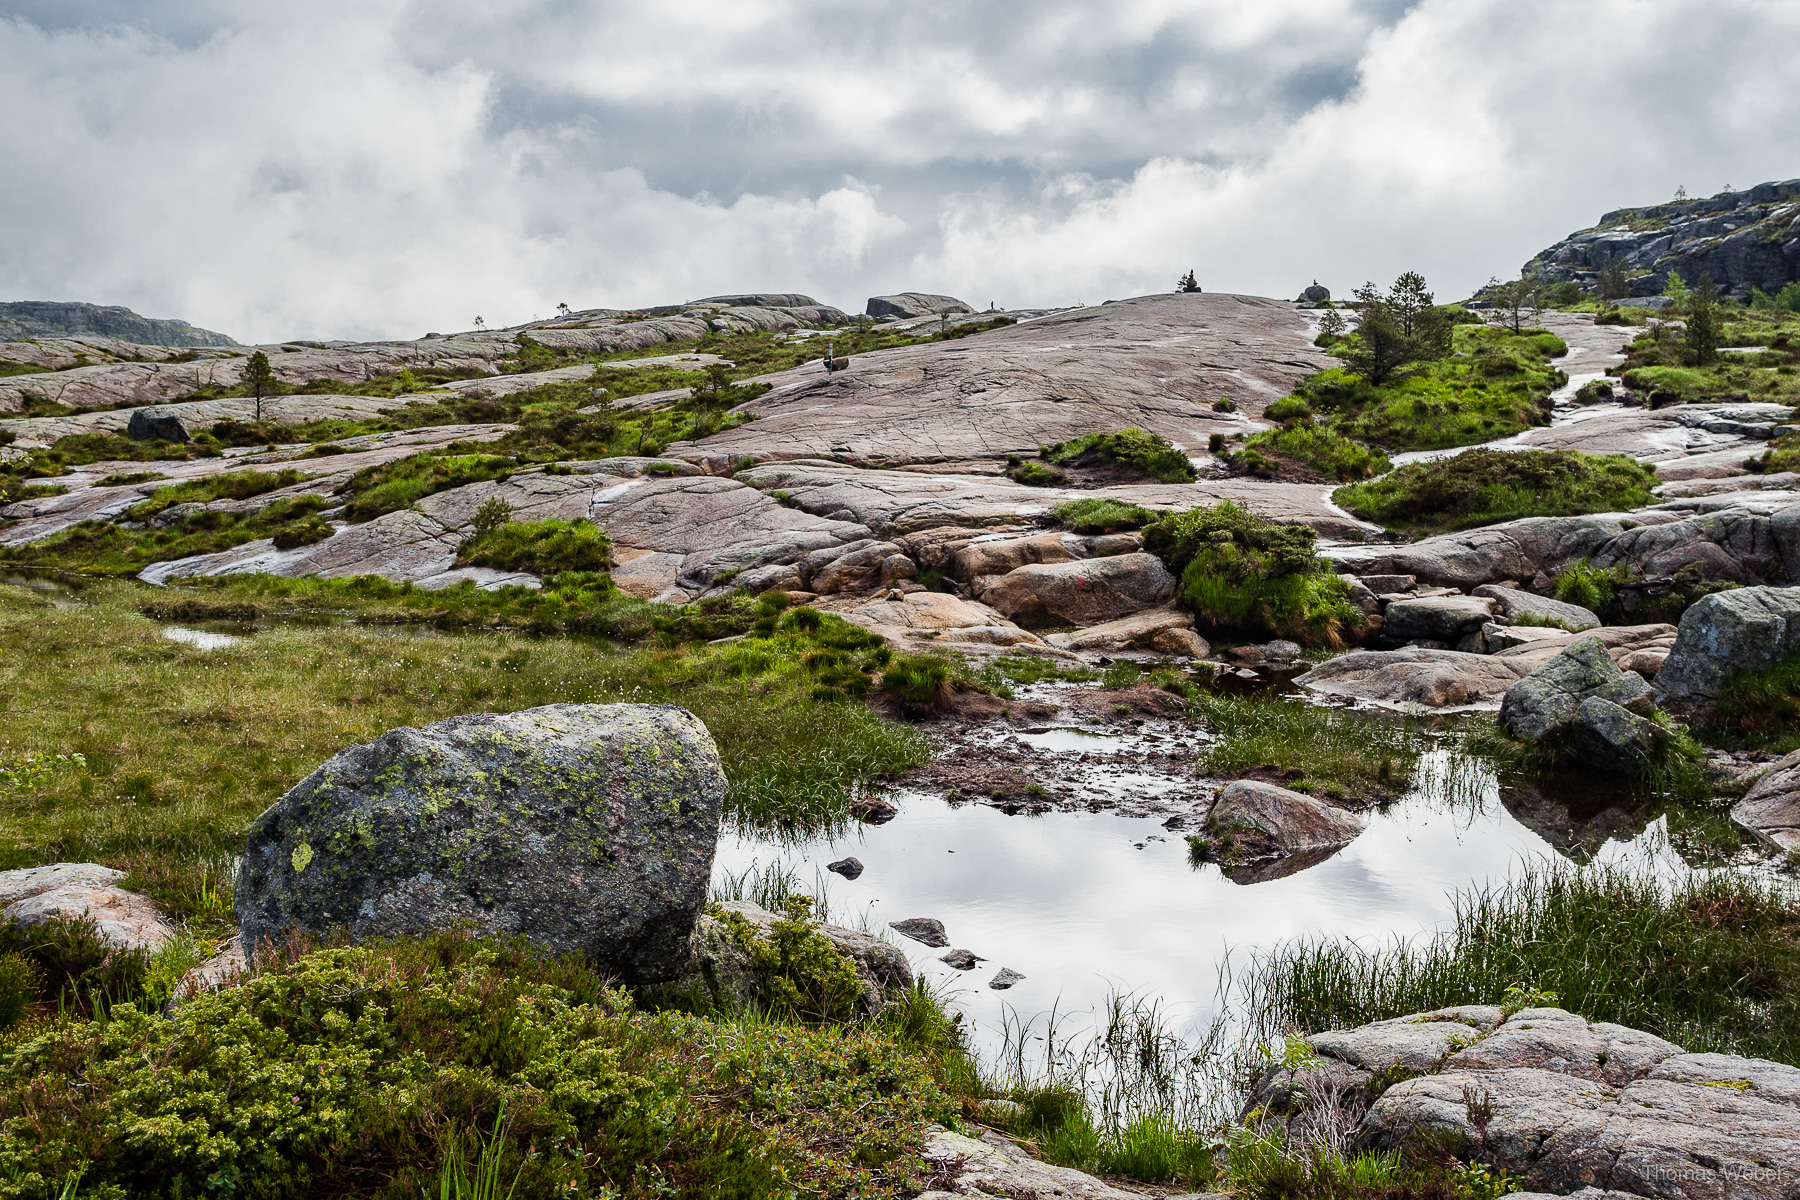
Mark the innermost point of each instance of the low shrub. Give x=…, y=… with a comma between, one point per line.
x=233, y=485
x=1286, y=409
x=1247, y=576
x=917, y=682
x=1102, y=515
x=1130, y=448
x=1323, y=449
x=1591, y=587
x=369, y=1071
x=305, y=532
x=1031, y=474
x=539, y=548
x=1482, y=486
x=392, y=486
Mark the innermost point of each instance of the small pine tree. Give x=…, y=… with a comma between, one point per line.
x=1332, y=326
x=259, y=377
x=493, y=513
x=1676, y=290
x=1705, y=326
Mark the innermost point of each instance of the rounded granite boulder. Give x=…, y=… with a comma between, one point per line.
x=585, y=827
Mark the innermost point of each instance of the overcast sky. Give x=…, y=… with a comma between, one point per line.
x=375, y=168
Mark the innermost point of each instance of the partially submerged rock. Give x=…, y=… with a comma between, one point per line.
x=1726, y=634
x=125, y=919
x=1771, y=808
x=927, y=931
x=723, y=968
x=1544, y=704
x=584, y=827
x=1286, y=821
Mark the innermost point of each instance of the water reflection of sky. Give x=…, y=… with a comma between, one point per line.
x=1084, y=904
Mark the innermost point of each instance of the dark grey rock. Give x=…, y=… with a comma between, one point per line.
x=925, y=930
x=1544, y=703
x=1608, y=737
x=962, y=960
x=849, y=867
x=1515, y=604
x=1004, y=978
x=762, y=300
x=155, y=425
x=22, y=319
x=1315, y=293
x=1724, y=634
x=584, y=827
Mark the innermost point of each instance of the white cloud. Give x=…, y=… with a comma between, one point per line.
x=341, y=169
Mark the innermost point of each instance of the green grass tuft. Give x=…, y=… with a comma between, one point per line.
x=1102, y=515
x=1481, y=487
x=1150, y=453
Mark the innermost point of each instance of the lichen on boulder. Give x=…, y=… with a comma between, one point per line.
x=581, y=827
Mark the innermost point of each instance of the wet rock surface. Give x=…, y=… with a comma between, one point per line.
x=1285, y=821
x=1771, y=808
x=578, y=827
x=927, y=931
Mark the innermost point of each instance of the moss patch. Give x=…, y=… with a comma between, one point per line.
x=1481, y=486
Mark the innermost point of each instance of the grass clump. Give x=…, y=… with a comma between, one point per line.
x=1131, y=449
x=1761, y=706
x=539, y=547
x=370, y=1070
x=1337, y=755
x=1319, y=447
x=918, y=682
x=392, y=486
x=1246, y=576
x=233, y=485
x=1102, y=515
x=1711, y=962
x=12, y=491
x=1481, y=486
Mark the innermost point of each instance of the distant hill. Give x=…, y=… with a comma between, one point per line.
x=23, y=319
x=1742, y=239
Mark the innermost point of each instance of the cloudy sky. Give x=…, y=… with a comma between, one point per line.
x=361, y=168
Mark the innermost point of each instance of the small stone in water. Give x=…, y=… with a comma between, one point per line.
x=962, y=960
x=922, y=929
x=1004, y=978
x=849, y=868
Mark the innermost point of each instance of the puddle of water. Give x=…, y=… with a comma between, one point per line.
x=1076, y=741
x=200, y=638
x=1085, y=904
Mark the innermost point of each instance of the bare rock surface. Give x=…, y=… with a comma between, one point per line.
x=913, y=304
x=127, y=920
x=1159, y=629
x=1725, y=634
x=1581, y=693
x=992, y=1166
x=1771, y=808
x=1441, y=679
x=1153, y=362
x=1445, y=619
x=1515, y=604
x=1085, y=592
x=1742, y=537
x=921, y=620
x=584, y=827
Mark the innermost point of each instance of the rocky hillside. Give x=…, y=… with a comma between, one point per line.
x=1742, y=239
x=22, y=319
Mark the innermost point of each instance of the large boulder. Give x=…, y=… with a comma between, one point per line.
x=914, y=304
x=1771, y=808
x=156, y=425
x=1084, y=592
x=1517, y=606
x=1292, y=822
x=1570, y=1107
x=1168, y=630
x=1446, y=619
x=1443, y=679
x=125, y=919
x=1725, y=634
x=585, y=827
x=1545, y=703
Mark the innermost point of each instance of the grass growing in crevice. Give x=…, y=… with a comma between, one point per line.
x=102, y=548
x=1132, y=450
x=392, y=486
x=1711, y=962
x=233, y=485
x=1319, y=447
x=1760, y=708
x=1481, y=487
x=539, y=547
